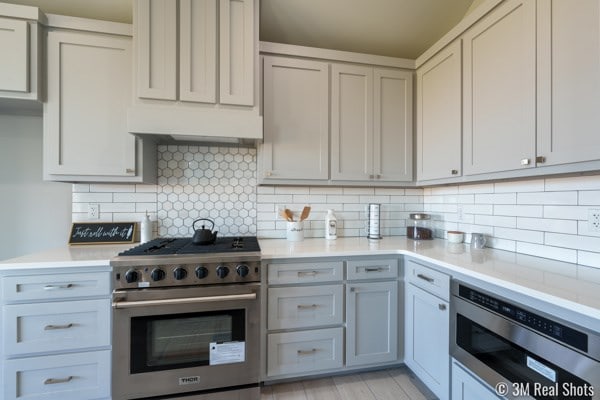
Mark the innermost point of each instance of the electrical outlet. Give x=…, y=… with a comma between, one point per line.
x=594, y=220
x=93, y=211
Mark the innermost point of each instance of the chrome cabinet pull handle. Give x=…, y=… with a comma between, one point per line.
x=425, y=278
x=53, y=381
x=58, y=287
x=540, y=159
x=306, y=352
x=525, y=161
x=55, y=327
x=306, y=306
x=378, y=269
x=307, y=273
x=454, y=172
x=442, y=307
x=130, y=171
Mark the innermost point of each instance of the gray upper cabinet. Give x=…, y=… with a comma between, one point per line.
x=371, y=124
x=500, y=90
x=296, y=120
x=439, y=120
x=569, y=81
x=21, y=47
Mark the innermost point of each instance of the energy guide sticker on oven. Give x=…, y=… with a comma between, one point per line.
x=227, y=352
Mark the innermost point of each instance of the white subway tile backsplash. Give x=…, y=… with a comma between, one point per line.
x=541, y=217
x=555, y=253
x=519, y=186
x=519, y=211
x=558, y=198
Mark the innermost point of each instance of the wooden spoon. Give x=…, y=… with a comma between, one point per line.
x=305, y=212
x=289, y=215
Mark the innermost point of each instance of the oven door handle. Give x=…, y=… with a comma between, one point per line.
x=184, y=300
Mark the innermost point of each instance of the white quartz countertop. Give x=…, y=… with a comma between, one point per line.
x=570, y=286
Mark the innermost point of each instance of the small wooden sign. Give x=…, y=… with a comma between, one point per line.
x=102, y=232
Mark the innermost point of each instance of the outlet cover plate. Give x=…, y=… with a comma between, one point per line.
x=594, y=219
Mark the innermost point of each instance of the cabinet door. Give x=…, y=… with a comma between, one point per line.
x=500, y=90
x=427, y=327
x=569, y=81
x=14, y=45
x=351, y=122
x=392, y=125
x=237, y=52
x=439, y=118
x=467, y=387
x=296, y=119
x=371, y=323
x=198, y=50
x=89, y=91
x=156, y=48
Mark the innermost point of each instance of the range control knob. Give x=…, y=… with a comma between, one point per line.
x=242, y=270
x=201, y=272
x=131, y=276
x=157, y=274
x=179, y=273
x=222, y=271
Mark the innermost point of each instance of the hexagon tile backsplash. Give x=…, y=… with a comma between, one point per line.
x=218, y=183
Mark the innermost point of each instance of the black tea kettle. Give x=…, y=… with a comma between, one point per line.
x=204, y=236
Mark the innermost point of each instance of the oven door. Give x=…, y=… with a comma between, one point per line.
x=177, y=340
x=517, y=362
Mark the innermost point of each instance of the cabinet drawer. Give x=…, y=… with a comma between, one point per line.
x=56, y=286
x=428, y=279
x=305, y=272
x=372, y=269
x=306, y=351
x=301, y=307
x=64, y=377
x=34, y=328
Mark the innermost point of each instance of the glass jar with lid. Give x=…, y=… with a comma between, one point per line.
x=418, y=227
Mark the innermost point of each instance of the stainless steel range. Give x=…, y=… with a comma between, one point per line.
x=186, y=320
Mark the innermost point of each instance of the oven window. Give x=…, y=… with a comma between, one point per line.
x=181, y=340
x=511, y=360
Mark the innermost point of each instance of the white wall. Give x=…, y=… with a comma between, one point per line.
x=34, y=215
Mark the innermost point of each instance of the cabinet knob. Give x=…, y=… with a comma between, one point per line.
x=442, y=307
x=454, y=172
x=525, y=161
x=540, y=159
x=130, y=171
x=378, y=176
x=268, y=173
x=371, y=176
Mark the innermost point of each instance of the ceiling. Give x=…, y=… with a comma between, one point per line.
x=397, y=28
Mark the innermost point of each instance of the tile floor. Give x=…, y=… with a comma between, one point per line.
x=393, y=384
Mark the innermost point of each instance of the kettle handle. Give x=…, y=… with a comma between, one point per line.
x=203, y=219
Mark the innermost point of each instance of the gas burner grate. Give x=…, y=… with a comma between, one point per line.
x=169, y=246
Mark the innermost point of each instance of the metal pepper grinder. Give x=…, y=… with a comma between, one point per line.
x=374, y=221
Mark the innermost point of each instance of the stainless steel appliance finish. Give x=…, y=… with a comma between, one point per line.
x=521, y=351
x=187, y=325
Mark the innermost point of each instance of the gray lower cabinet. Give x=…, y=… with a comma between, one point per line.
x=371, y=322
x=466, y=387
x=309, y=331
x=427, y=327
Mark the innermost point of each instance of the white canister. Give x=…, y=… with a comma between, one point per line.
x=373, y=221
x=146, y=229
x=295, y=231
x=330, y=226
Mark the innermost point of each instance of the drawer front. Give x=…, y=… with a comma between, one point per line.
x=372, y=269
x=305, y=272
x=428, y=279
x=35, y=328
x=64, y=377
x=56, y=286
x=307, y=306
x=306, y=351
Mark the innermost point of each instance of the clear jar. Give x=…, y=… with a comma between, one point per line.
x=418, y=227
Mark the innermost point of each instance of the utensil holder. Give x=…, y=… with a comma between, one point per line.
x=295, y=231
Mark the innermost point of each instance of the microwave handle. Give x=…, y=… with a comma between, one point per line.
x=185, y=300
